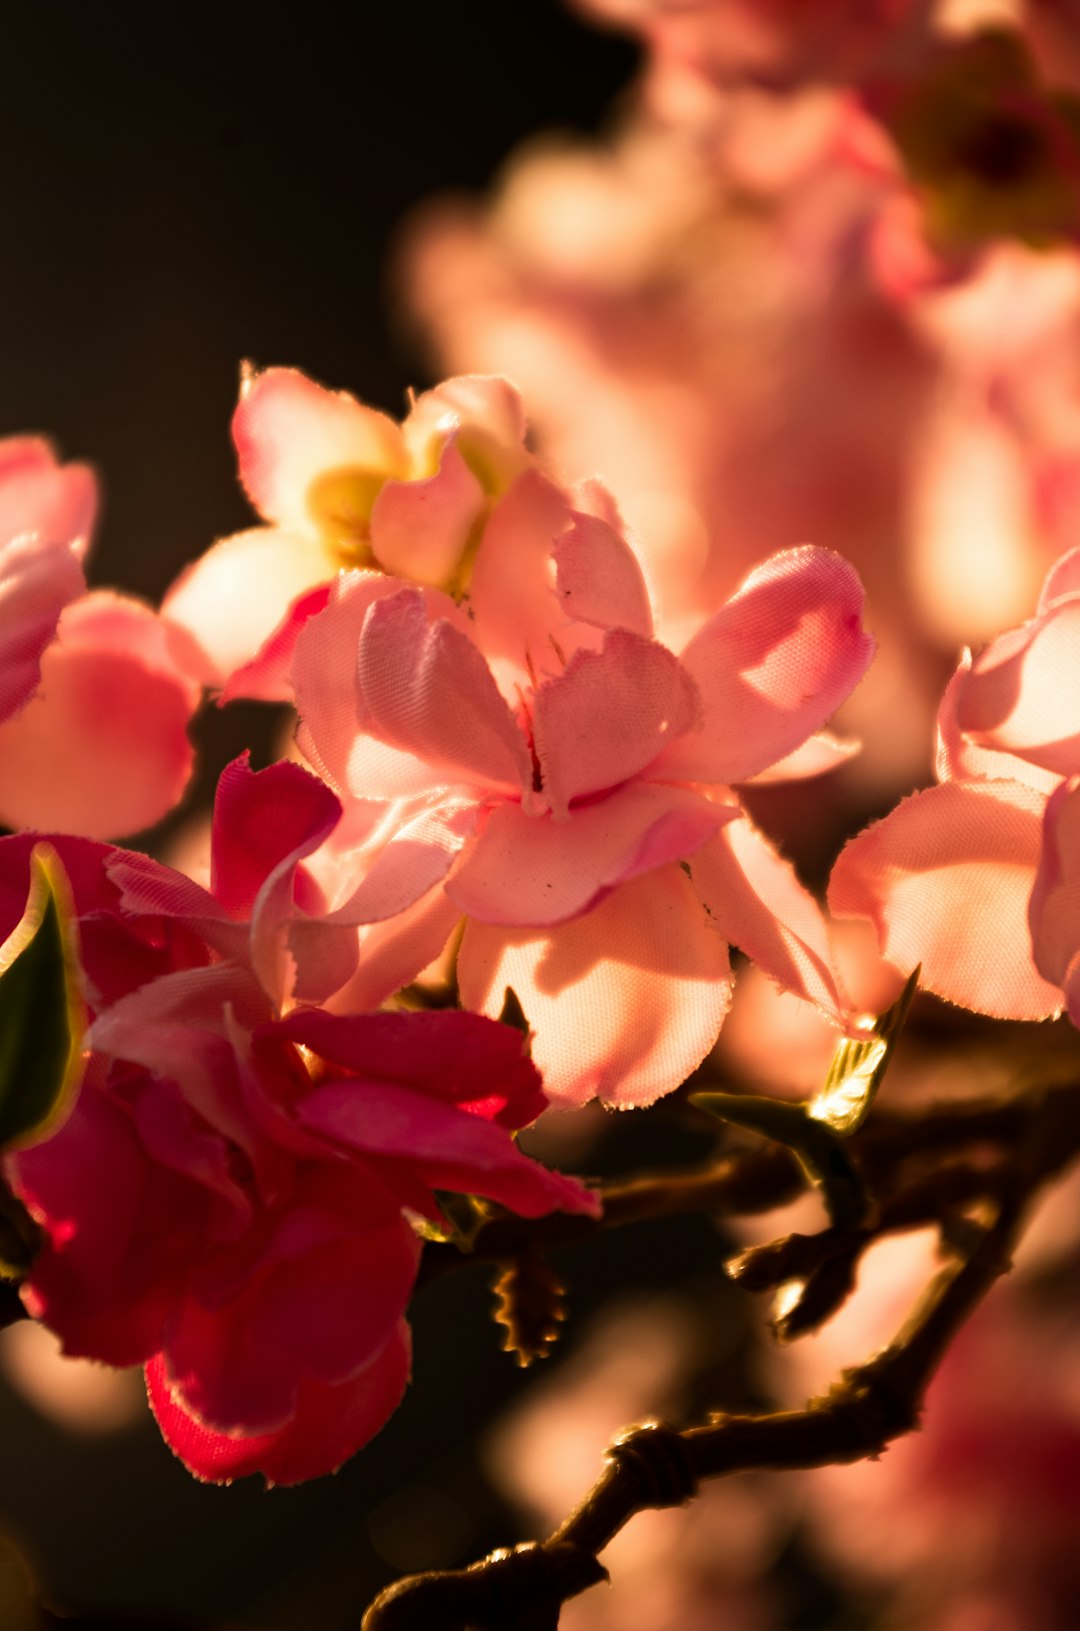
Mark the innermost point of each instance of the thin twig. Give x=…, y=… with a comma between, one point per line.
x=657, y=1465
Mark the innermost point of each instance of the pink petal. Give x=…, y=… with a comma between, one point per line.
x=1055, y=899
x=625, y=1002
x=414, y=860
x=289, y=431
x=103, y=750
x=598, y=577
x=772, y=665
x=419, y=529
x=959, y=758
x=534, y=870
x=234, y=597
x=57, y=503
x=329, y=1423
x=1021, y=697
x=816, y=757
x=324, y=672
x=318, y=1314
x=37, y=580
x=482, y=1067
x=450, y=1149
x=1062, y=579
x=394, y=952
x=425, y=690
x=484, y=411
x=512, y=590
x=946, y=879
x=262, y=819
x=149, y=889
x=609, y=715
x=758, y=904
x=120, y=1231
x=266, y=678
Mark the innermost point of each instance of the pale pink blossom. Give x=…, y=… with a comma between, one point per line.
x=564, y=777
x=948, y=877
x=341, y=485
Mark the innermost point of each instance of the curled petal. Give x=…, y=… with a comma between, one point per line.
x=1021, y=697
x=758, y=904
x=533, y=870
x=609, y=715
x=449, y=1149
x=624, y=1001
x=482, y=1067
x=426, y=691
x=599, y=579
x=1062, y=579
x=419, y=529
x=55, y=502
x=103, y=749
x=959, y=758
x=329, y=1423
x=946, y=879
x=324, y=672
x=1054, y=911
x=289, y=431
x=512, y=590
x=37, y=580
x=772, y=665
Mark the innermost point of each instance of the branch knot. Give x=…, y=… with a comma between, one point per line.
x=660, y=1458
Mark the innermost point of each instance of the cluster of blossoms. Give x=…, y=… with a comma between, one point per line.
x=506, y=760
x=527, y=723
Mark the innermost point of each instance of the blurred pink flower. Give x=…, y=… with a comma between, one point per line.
x=94, y=705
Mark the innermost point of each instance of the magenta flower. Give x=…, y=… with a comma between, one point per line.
x=227, y=1204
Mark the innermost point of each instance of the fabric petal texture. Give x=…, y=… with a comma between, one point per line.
x=946, y=879
x=625, y=1001
x=773, y=665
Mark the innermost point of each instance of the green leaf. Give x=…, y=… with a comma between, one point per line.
x=41, y=1014
x=858, y=1066
x=817, y=1148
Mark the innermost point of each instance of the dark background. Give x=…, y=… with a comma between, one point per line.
x=183, y=188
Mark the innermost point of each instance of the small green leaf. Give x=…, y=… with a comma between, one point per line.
x=858, y=1066
x=41, y=1014
x=818, y=1149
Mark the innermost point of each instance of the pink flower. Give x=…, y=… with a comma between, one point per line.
x=948, y=877
x=562, y=784
x=226, y=1204
x=341, y=485
x=46, y=513
x=94, y=705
